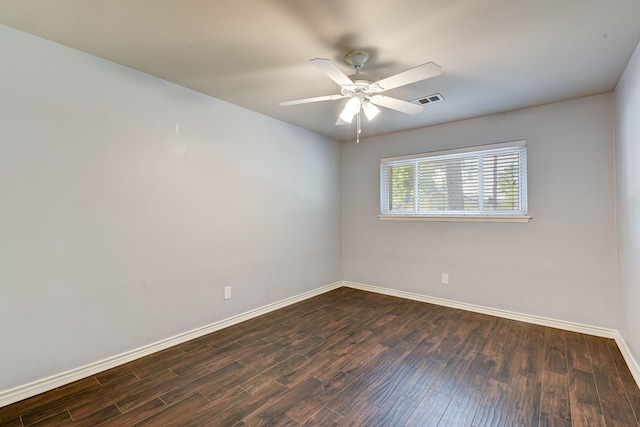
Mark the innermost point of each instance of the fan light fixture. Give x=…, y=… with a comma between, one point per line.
x=363, y=94
x=370, y=110
x=351, y=108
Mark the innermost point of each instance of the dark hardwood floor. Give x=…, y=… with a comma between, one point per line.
x=352, y=358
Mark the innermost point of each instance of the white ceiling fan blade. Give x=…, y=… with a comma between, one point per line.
x=396, y=104
x=351, y=108
x=421, y=72
x=308, y=100
x=370, y=110
x=341, y=122
x=332, y=71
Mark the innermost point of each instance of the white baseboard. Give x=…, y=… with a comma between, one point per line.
x=528, y=318
x=628, y=357
x=16, y=394
x=537, y=320
x=40, y=386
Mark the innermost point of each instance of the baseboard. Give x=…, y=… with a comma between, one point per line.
x=16, y=394
x=628, y=357
x=536, y=320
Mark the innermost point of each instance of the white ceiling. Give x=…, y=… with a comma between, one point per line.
x=496, y=55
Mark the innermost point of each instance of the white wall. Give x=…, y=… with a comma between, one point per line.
x=112, y=236
x=627, y=97
x=561, y=265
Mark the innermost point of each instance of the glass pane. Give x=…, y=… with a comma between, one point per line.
x=401, y=192
x=449, y=185
x=501, y=182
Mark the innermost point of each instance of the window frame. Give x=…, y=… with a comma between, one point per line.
x=520, y=215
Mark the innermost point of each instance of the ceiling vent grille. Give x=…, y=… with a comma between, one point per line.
x=429, y=99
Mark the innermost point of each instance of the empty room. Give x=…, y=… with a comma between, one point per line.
x=320, y=213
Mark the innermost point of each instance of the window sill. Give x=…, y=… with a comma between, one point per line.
x=469, y=218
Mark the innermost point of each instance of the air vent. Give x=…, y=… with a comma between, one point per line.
x=430, y=99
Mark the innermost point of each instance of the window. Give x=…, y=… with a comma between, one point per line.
x=487, y=183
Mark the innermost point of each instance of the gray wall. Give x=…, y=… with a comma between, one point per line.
x=628, y=200
x=561, y=265
x=115, y=234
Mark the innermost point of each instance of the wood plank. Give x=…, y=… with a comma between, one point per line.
x=52, y=403
x=281, y=369
x=236, y=413
x=555, y=396
x=525, y=405
x=430, y=410
x=197, y=356
x=305, y=408
x=555, y=352
x=391, y=387
x=232, y=352
x=210, y=410
x=358, y=414
x=634, y=399
x=462, y=408
x=599, y=350
x=174, y=396
x=358, y=390
x=470, y=347
x=451, y=376
x=52, y=409
x=618, y=413
x=60, y=419
x=397, y=413
x=324, y=418
x=13, y=422
x=578, y=356
x=630, y=386
x=419, y=353
x=494, y=409
x=548, y=421
x=174, y=415
x=133, y=400
x=141, y=363
x=443, y=351
x=479, y=372
x=585, y=405
x=98, y=417
x=614, y=400
x=363, y=357
x=530, y=363
x=424, y=378
x=507, y=361
x=104, y=396
x=390, y=357
x=531, y=356
x=136, y=415
x=232, y=377
x=279, y=405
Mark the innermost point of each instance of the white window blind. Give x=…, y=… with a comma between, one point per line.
x=488, y=181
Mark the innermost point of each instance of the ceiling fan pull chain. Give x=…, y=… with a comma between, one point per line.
x=358, y=128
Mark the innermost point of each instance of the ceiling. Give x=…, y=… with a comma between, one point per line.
x=496, y=55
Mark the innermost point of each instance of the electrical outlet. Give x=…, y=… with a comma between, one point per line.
x=227, y=292
x=445, y=278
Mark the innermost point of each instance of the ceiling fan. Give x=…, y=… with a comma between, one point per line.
x=365, y=95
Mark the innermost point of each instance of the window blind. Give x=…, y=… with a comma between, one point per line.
x=482, y=181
